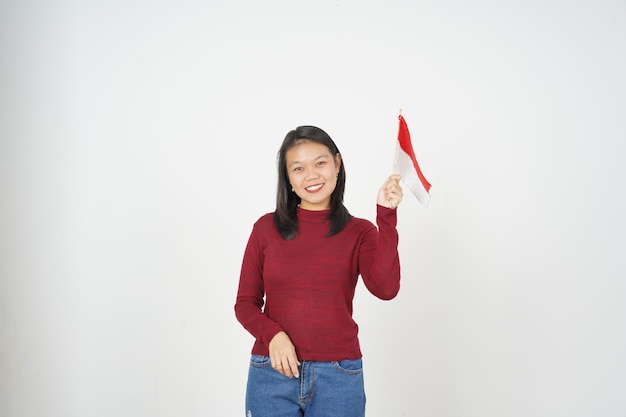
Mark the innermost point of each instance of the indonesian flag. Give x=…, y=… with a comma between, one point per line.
x=408, y=167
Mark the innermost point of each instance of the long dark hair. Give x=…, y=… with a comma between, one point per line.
x=285, y=216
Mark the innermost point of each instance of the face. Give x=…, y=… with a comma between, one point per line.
x=312, y=172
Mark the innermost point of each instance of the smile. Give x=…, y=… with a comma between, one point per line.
x=314, y=188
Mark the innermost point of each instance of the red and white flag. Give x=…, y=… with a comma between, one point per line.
x=406, y=165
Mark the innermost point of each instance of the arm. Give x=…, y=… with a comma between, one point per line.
x=248, y=310
x=251, y=292
x=379, y=262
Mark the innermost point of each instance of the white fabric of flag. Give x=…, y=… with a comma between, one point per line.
x=407, y=166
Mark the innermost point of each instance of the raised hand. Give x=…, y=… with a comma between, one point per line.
x=390, y=194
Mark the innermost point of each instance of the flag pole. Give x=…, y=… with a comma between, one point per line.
x=395, y=154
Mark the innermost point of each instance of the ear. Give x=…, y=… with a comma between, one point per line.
x=337, y=162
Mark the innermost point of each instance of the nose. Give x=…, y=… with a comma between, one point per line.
x=311, y=174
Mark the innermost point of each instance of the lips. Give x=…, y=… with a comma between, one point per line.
x=314, y=188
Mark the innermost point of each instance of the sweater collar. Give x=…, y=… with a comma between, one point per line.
x=312, y=216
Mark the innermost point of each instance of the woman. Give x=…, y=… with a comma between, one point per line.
x=301, y=264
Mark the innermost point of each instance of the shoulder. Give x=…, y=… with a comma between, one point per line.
x=265, y=221
x=360, y=224
x=263, y=229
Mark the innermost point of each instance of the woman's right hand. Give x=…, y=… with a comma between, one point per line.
x=390, y=194
x=283, y=355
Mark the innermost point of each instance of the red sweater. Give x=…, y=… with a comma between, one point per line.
x=309, y=282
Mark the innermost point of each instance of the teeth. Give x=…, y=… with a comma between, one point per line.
x=314, y=187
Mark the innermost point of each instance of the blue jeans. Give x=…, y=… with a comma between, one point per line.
x=324, y=389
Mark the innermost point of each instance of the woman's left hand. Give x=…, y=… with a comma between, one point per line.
x=390, y=194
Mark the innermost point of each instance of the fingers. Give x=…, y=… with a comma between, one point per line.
x=283, y=355
x=293, y=364
x=390, y=194
x=394, y=191
x=287, y=366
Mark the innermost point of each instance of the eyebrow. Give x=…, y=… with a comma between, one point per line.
x=324, y=155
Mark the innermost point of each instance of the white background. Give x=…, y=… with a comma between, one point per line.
x=138, y=145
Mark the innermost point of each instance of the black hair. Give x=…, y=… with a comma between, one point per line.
x=285, y=216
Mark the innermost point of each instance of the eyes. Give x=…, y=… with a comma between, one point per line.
x=318, y=164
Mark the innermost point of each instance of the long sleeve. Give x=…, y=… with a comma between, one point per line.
x=305, y=286
x=251, y=292
x=379, y=263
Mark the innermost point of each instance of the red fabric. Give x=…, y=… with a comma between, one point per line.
x=309, y=282
x=404, y=138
